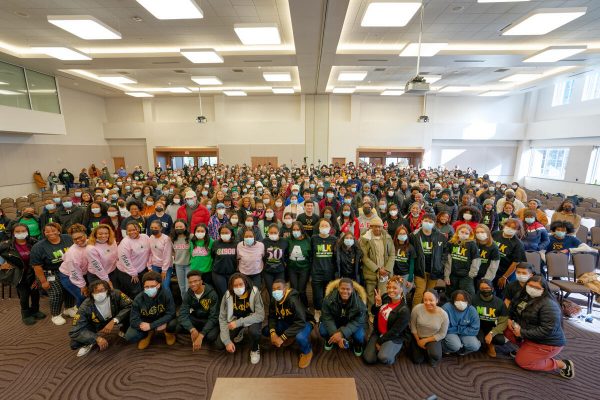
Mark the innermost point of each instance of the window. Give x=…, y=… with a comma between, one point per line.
x=397, y=161
x=562, y=93
x=208, y=160
x=549, y=163
x=42, y=91
x=13, y=87
x=365, y=160
x=594, y=168
x=591, y=88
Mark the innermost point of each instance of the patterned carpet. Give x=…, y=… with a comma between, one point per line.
x=36, y=363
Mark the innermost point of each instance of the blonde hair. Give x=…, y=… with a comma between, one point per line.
x=111, y=234
x=489, y=240
x=456, y=240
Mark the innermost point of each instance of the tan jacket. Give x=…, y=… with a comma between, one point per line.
x=572, y=218
x=521, y=195
x=39, y=181
x=369, y=255
x=539, y=215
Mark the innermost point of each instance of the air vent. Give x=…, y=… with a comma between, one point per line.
x=258, y=61
x=502, y=70
x=575, y=60
x=179, y=71
x=237, y=70
x=379, y=69
x=372, y=60
x=165, y=62
x=469, y=61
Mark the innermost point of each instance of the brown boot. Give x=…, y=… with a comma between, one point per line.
x=305, y=360
x=145, y=342
x=170, y=338
x=491, y=350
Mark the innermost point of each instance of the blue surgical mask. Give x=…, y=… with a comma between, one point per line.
x=348, y=242
x=347, y=201
x=151, y=292
x=191, y=202
x=68, y=204
x=294, y=201
x=402, y=238
x=427, y=226
x=277, y=295
x=50, y=207
x=560, y=235
x=248, y=241
x=346, y=213
x=296, y=234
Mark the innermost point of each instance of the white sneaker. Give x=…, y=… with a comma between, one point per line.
x=59, y=320
x=122, y=334
x=83, y=351
x=255, y=356
x=317, y=315
x=70, y=312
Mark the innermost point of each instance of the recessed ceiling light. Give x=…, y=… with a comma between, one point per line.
x=254, y=34
x=3, y=83
x=282, y=90
x=207, y=80
x=352, y=75
x=9, y=92
x=117, y=79
x=62, y=53
x=139, y=94
x=84, y=26
x=344, y=90
x=520, y=78
x=392, y=92
x=454, y=89
x=202, y=56
x=432, y=78
x=555, y=53
x=173, y=9
x=179, y=90
x=392, y=14
x=235, y=93
x=136, y=19
x=495, y=93
x=277, y=76
x=427, y=49
x=544, y=20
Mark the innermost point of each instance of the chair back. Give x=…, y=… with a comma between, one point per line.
x=584, y=262
x=558, y=264
x=534, y=258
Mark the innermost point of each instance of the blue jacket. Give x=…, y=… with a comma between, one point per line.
x=567, y=243
x=536, y=237
x=463, y=323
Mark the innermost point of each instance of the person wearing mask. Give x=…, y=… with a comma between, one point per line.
x=48, y=214
x=152, y=311
x=348, y=258
x=323, y=263
x=251, y=226
x=562, y=238
x=344, y=316
x=250, y=258
x=135, y=216
x=446, y=204
x=68, y=214
x=93, y=216
x=308, y=219
x=463, y=261
x=241, y=308
x=279, y=208
x=488, y=253
x=45, y=257
x=102, y=310
x=200, y=253
x=219, y=219
x=275, y=256
x=286, y=226
x=66, y=178
x=489, y=217
x=393, y=220
x=224, y=255
x=509, y=197
x=159, y=215
x=193, y=212
x=77, y=198
x=347, y=222
x=378, y=258
x=535, y=236
x=293, y=207
x=511, y=252
x=148, y=206
x=534, y=205
x=299, y=260
x=390, y=325
x=173, y=207
x=15, y=253
x=463, y=325
x=199, y=312
x=101, y=254
x=180, y=239
x=404, y=258
x=415, y=216
x=330, y=201
x=133, y=260
x=493, y=317
x=161, y=257
x=288, y=322
x=73, y=270
x=566, y=212
x=367, y=216
x=523, y=272
x=432, y=256
x=535, y=325
x=428, y=325
x=53, y=181
x=270, y=219
x=507, y=212
x=114, y=220
x=29, y=219
x=442, y=224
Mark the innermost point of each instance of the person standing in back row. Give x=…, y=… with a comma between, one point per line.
x=323, y=263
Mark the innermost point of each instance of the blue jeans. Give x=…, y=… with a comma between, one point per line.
x=181, y=271
x=166, y=284
x=302, y=338
x=387, y=352
x=358, y=337
x=72, y=289
x=453, y=343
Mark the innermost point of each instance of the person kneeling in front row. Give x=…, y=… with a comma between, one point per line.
x=344, y=315
x=97, y=316
x=288, y=323
x=199, y=312
x=152, y=310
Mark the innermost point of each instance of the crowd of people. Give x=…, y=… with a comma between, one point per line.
x=432, y=260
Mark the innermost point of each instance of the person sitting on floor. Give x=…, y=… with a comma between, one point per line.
x=429, y=325
x=493, y=317
x=463, y=325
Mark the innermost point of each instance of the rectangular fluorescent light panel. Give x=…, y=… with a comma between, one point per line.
x=282, y=90
x=256, y=34
x=234, y=93
x=207, y=80
x=9, y=92
x=179, y=90
x=202, y=56
x=390, y=92
x=84, y=26
x=277, y=76
x=62, y=53
x=495, y=93
x=500, y=1
x=432, y=78
x=555, y=53
x=352, y=75
x=3, y=83
x=344, y=90
x=427, y=49
x=544, y=20
x=139, y=94
x=391, y=14
x=454, y=89
x=117, y=79
x=520, y=78
x=172, y=9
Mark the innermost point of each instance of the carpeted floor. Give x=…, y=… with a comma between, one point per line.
x=36, y=363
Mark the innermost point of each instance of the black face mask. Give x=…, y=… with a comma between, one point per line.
x=155, y=231
x=160, y=209
x=367, y=210
x=27, y=215
x=180, y=231
x=486, y=294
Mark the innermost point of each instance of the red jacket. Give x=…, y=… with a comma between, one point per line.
x=460, y=222
x=199, y=216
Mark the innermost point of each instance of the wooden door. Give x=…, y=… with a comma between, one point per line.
x=376, y=160
x=338, y=160
x=119, y=162
x=256, y=161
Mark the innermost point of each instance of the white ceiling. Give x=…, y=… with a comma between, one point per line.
x=320, y=38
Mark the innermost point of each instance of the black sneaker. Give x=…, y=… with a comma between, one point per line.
x=513, y=354
x=39, y=315
x=568, y=371
x=29, y=320
x=328, y=346
x=358, y=350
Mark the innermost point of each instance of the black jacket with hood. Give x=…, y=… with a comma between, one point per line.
x=346, y=318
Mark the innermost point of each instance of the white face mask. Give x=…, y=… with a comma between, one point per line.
x=273, y=236
x=200, y=235
x=95, y=211
x=288, y=222
x=467, y=217
x=324, y=231
x=239, y=291
x=509, y=231
x=393, y=213
x=461, y=305
x=225, y=237
x=269, y=214
x=482, y=236
x=21, y=236
x=463, y=236
x=221, y=211
x=522, y=278
x=100, y=297
x=534, y=292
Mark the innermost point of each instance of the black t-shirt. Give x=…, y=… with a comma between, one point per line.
x=323, y=255
x=224, y=257
x=510, y=249
x=241, y=307
x=308, y=223
x=402, y=260
x=275, y=255
x=48, y=255
x=487, y=254
x=462, y=254
x=140, y=221
x=512, y=290
x=489, y=311
x=427, y=245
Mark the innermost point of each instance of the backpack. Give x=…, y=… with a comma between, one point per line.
x=570, y=309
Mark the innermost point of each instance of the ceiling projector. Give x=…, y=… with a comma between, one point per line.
x=417, y=85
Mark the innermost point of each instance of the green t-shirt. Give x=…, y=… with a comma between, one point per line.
x=34, y=227
x=201, y=259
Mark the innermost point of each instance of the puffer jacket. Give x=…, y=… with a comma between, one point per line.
x=355, y=315
x=536, y=237
x=540, y=319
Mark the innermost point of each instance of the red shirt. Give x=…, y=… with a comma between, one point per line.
x=382, y=317
x=24, y=251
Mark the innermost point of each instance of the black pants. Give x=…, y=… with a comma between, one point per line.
x=271, y=277
x=299, y=281
x=432, y=352
x=122, y=281
x=82, y=340
x=253, y=333
x=319, y=284
x=210, y=336
x=28, y=297
x=256, y=280
x=220, y=282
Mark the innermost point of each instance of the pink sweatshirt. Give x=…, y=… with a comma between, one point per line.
x=102, y=259
x=75, y=265
x=134, y=254
x=250, y=258
x=162, y=251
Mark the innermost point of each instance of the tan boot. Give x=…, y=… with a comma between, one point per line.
x=491, y=350
x=145, y=342
x=305, y=360
x=170, y=338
